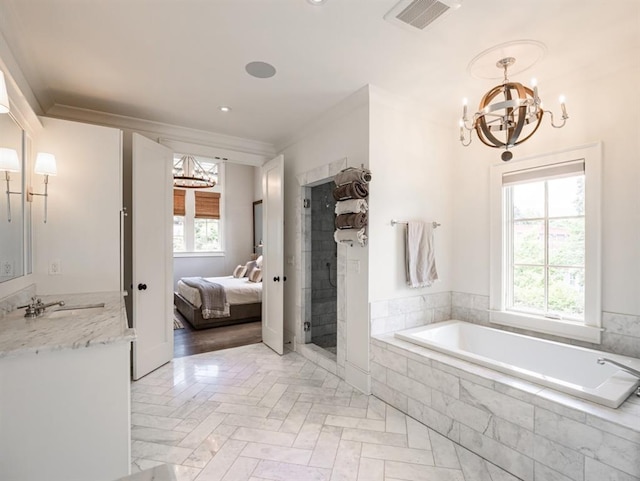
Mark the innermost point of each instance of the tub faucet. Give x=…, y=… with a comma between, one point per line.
x=630, y=370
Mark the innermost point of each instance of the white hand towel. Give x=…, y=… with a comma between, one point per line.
x=420, y=255
x=353, y=235
x=351, y=206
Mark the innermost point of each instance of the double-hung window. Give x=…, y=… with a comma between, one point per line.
x=197, y=223
x=545, y=244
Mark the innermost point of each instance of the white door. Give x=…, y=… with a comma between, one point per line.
x=273, y=251
x=152, y=273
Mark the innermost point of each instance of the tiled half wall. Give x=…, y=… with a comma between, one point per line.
x=621, y=333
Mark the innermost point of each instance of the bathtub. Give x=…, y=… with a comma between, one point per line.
x=566, y=368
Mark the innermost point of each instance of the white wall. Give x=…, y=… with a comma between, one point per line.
x=411, y=166
x=83, y=227
x=342, y=132
x=603, y=106
x=237, y=210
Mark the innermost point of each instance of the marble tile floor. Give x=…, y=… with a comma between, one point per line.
x=248, y=414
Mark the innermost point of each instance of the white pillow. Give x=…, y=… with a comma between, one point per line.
x=239, y=271
x=259, y=262
x=256, y=275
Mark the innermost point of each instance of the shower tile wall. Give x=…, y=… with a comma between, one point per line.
x=324, y=249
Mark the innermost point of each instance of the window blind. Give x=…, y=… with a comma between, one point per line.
x=207, y=205
x=555, y=171
x=178, y=202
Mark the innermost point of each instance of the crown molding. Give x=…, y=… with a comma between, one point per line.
x=233, y=146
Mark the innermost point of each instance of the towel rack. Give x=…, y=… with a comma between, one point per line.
x=395, y=222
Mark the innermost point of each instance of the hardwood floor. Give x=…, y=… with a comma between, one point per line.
x=190, y=341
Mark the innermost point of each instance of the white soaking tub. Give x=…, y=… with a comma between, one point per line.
x=570, y=369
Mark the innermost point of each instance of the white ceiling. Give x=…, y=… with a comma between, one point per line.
x=176, y=61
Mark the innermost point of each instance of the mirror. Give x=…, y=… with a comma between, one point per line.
x=257, y=227
x=12, y=205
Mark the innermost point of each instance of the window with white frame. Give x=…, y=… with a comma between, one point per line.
x=545, y=244
x=197, y=221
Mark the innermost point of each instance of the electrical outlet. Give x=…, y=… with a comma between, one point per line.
x=6, y=269
x=54, y=267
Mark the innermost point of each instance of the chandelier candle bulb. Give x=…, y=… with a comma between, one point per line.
x=464, y=109
x=534, y=84
x=563, y=107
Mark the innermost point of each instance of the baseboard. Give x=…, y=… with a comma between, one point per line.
x=358, y=378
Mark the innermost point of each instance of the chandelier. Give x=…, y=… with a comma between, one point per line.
x=190, y=174
x=509, y=114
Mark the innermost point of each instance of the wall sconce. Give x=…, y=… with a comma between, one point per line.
x=4, y=96
x=45, y=165
x=9, y=162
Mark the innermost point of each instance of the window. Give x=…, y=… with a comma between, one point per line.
x=197, y=220
x=545, y=252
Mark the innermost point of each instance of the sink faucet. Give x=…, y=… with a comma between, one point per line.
x=630, y=370
x=36, y=307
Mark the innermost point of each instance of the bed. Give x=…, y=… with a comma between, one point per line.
x=243, y=296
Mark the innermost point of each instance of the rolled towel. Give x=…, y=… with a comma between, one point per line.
x=352, y=190
x=351, y=221
x=352, y=235
x=351, y=206
x=352, y=174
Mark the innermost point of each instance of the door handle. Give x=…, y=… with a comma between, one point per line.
x=276, y=279
x=284, y=278
x=142, y=287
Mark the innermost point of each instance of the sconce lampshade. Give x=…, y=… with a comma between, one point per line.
x=9, y=161
x=45, y=164
x=4, y=97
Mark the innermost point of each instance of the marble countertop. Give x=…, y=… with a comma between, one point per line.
x=66, y=329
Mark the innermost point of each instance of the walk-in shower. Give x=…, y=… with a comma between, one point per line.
x=323, y=268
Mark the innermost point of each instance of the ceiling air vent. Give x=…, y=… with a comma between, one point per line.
x=418, y=14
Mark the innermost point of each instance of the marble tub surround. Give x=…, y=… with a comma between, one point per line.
x=621, y=333
x=391, y=315
x=66, y=329
x=11, y=302
x=535, y=433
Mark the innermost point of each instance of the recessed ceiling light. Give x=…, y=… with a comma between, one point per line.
x=224, y=108
x=260, y=69
x=316, y=2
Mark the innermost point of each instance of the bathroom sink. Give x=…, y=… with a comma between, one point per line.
x=69, y=311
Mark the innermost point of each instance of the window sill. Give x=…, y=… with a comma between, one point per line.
x=198, y=254
x=568, y=329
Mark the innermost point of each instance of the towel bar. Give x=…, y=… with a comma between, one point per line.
x=394, y=222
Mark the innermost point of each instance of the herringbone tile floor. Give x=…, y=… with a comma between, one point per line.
x=249, y=414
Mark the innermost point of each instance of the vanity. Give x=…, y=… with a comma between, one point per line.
x=65, y=390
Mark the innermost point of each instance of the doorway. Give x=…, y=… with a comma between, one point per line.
x=214, y=232
x=332, y=360
x=324, y=263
